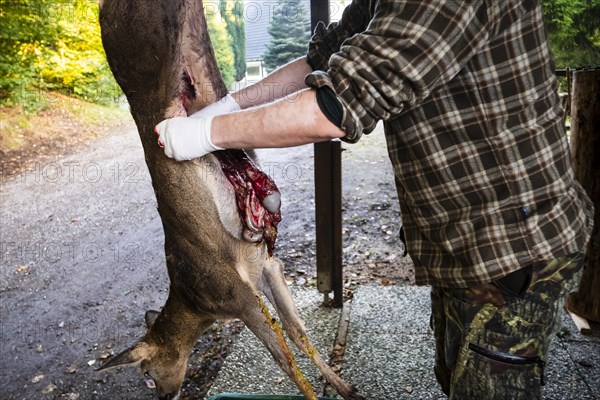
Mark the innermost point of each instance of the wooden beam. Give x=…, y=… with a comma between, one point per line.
x=328, y=198
x=585, y=142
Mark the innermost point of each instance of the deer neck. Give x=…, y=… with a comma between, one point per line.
x=176, y=326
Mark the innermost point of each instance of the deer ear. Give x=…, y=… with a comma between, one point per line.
x=133, y=355
x=150, y=317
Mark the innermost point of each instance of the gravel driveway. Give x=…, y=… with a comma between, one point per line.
x=82, y=258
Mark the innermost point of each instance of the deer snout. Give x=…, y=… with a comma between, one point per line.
x=167, y=379
x=168, y=394
x=171, y=393
x=169, y=397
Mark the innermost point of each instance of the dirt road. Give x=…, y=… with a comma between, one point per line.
x=82, y=259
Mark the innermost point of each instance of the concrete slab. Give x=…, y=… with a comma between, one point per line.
x=251, y=369
x=390, y=351
x=574, y=362
x=390, y=347
x=574, y=365
x=564, y=378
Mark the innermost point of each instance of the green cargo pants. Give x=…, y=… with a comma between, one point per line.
x=492, y=340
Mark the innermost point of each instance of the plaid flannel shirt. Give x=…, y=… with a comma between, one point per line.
x=474, y=128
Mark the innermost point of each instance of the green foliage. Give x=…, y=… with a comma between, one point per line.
x=290, y=32
x=573, y=31
x=232, y=13
x=56, y=45
x=23, y=35
x=52, y=45
x=221, y=43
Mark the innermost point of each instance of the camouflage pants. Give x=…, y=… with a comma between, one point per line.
x=492, y=340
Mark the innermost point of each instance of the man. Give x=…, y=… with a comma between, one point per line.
x=493, y=218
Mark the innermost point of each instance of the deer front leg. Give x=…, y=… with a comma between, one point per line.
x=259, y=320
x=275, y=288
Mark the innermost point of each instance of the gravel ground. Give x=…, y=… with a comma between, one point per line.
x=82, y=259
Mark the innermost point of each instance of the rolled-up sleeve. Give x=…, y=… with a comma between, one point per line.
x=328, y=40
x=387, y=56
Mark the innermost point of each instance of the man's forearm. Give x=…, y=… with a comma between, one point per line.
x=291, y=121
x=280, y=83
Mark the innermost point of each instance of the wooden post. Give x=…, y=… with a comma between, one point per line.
x=585, y=149
x=328, y=195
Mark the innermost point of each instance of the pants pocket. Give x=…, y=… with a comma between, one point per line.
x=511, y=360
x=491, y=374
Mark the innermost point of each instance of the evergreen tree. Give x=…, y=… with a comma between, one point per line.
x=290, y=32
x=233, y=14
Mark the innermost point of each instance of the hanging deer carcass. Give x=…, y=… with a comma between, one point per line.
x=161, y=56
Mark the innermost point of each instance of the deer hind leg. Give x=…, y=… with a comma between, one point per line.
x=275, y=288
x=260, y=321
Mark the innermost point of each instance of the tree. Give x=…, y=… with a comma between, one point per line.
x=290, y=32
x=221, y=43
x=46, y=44
x=234, y=22
x=573, y=31
x=24, y=33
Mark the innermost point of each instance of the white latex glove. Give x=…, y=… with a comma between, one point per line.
x=185, y=138
x=224, y=106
